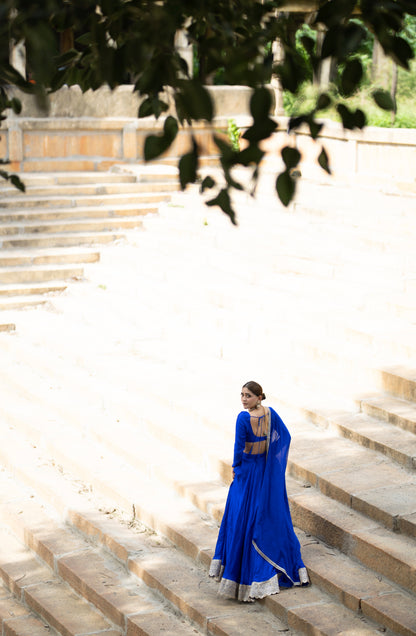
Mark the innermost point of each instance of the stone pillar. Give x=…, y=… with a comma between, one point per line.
x=15, y=145
x=18, y=57
x=185, y=50
x=130, y=141
x=323, y=75
x=382, y=67
x=275, y=81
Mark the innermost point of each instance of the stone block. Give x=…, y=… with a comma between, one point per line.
x=62, y=165
x=400, y=381
x=10, y=608
x=18, y=568
x=341, y=577
x=64, y=610
x=158, y=622
x=253, y=621
x=27, y=626
x=129, y=142
x=106, y=588
x=39, y=532
x=117, y=538
x=390, y=554
x=15, y=144
x=394, y=506
x=394, y=611
x=328, y=619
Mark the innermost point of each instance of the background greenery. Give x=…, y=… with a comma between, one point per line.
x=405, y=115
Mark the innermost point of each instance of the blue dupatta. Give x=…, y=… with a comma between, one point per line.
x=274, y=537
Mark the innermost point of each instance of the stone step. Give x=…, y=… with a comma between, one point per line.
x=13, y=303
x=60, y=239
x=56, y=214
x=182, y=583
x=12, y=197
x=118, y=174
x=148, y=172
x=13, y=258
x=92, y=573
x=396, y=411
x=30, y=290
x=327, y=329
x=174, y=576
x=334, y=481
x=402, y=450
x=60, y=178
x=400, y=382
x=40, y=273
x=70, y=225
x=390, y=243
x=318, y=291
x=17, y=620
x=372, y=432
x=45, y=595
x=296, y=238
x=7, y=326
x=56, y=201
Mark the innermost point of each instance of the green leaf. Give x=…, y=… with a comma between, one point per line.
x=207, y=183
x=330, y=43
x=324, y=161
x=68, y=57
x=296, y=122
x=224, y=202
x=360, y=119
x=323, y=102
x=260, y=103
x=146, y=108
x=351, y=76
x=170, y=129
x=16, y=105
x=334, y=12
x=401, y=52
x=351, y=119
x=251, y=154
x=155, y=145
x=292, y=71
x=195, y=100
x=188, y=166
x=308, y=44
x=17, y=183
x=291, y=157
x=383, y=99
x=285, y=187
x=223, y=145
x=262, y=129
x=348, y=120
x=314, y=127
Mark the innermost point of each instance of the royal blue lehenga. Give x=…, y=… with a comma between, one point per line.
x=257, y=550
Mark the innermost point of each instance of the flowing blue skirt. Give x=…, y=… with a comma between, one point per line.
x=243, y=573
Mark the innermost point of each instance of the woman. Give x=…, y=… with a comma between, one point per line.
x=257, y=550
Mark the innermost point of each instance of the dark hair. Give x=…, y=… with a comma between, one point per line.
x=255, y=388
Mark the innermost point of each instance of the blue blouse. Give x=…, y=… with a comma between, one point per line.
x=244, y=433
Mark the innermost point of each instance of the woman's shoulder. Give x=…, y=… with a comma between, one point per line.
x=243, y=418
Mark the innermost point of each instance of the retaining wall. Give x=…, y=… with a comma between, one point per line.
x=95, y=130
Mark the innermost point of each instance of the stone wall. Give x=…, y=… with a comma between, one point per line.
x=94, y=130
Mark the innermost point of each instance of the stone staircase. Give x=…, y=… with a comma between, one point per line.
x=118, y=410
x=62, y=220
